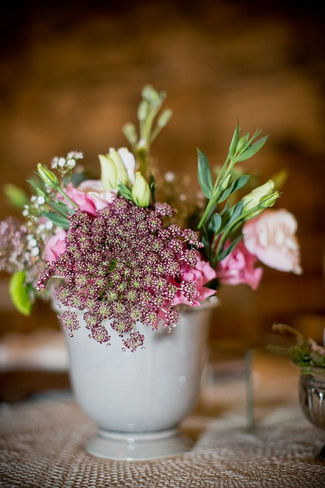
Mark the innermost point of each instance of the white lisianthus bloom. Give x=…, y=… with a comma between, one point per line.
x=129, y=163
x=117, y=167
x=253, y=198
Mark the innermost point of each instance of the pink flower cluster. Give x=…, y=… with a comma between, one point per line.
x=122, y=264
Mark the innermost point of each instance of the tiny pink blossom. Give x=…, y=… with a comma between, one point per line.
x=55, y=246
x=199, y=275
x=239, y=267
x=271, y=238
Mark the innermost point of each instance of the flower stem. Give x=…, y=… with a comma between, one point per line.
x=67, y=198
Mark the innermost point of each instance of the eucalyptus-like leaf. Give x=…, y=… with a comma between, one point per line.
x=237, y=210
x=234, y=140
x=37, y=188
x=236, y=185
x=152, y=186
x=216, y=222
x=225, y=210
x=240, y=182
x=253, y=149
x=225, y=194
x=152, y=182
x=125, y=191
x=61, y=208
x=204, y=174
x=207, y=247
x=57, y=219
x=225, y=252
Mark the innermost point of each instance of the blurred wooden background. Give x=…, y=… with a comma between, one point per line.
x=71, y=76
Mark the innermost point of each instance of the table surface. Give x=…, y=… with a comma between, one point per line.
x=42, y=441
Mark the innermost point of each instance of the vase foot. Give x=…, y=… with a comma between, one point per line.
x=131, y=446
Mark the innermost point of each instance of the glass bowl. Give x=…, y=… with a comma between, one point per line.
x=312, y=400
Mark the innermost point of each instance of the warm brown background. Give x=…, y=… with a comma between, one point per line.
x=71, y=76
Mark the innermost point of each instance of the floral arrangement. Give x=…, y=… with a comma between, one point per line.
x=305, y=353
x=114, y=248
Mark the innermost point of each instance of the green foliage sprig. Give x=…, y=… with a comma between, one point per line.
x=305, y=353
x=220, y=227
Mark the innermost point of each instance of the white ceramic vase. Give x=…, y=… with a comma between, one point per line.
x=138, y=399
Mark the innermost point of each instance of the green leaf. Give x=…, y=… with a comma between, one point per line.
x=225, y=194
x=61, y=208
x=57, y=219
x=234, y=140
x=236, y=185
x=207, y=247
x=236, y=211
x=253, y=149
x=15, y=195
x=204, y=174
x=152, y=186
x=224, y=253
x=240, y=182
x=38, y=188
x=152, y=182
x=225, y=211
x=216, y=221
x=19, y=293
x=125, y=191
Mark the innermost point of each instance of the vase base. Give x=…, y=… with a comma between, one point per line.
x=130, y=446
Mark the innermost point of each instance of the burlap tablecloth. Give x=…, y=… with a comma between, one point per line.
x=42, y=445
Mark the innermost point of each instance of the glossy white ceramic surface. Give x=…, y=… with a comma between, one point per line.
x=148, y=391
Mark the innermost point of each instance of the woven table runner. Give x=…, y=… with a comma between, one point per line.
x=42, y=445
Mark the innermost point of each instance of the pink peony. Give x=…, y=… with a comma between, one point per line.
x=200, y=274
x=55, y=246
x=239, y=267
x=270, y=237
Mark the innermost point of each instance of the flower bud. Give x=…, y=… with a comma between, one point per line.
x=130, y=133
x=253, y=198
x=269, y=200
x=242, y=143
x=225, y=182
x=122, y=176
x=140, y=191
x=164, y=118
x=150, y=94
x=47, y=176
x=143, y=110
x=108, y=172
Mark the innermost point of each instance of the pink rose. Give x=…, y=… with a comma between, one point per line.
x=80, y=198
x=239, y=267
x=270, y=237
x=90, y=195
x=96, y=194
x=200, y=274
x=55, y=246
